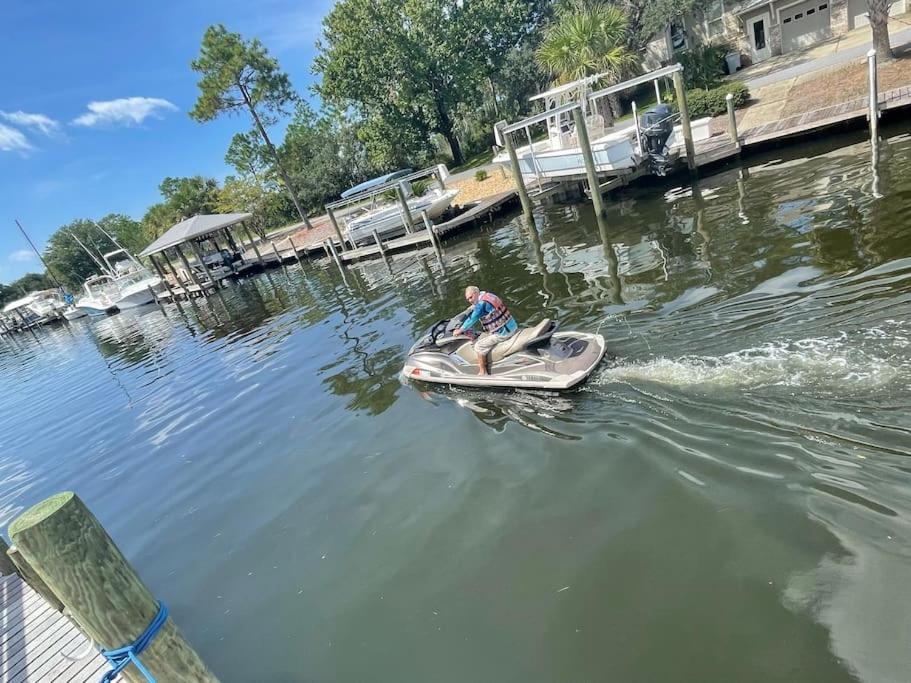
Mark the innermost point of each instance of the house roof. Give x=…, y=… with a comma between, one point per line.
x=747, y=5
x=191, y=228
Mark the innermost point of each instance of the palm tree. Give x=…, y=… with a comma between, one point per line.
x=587, y=38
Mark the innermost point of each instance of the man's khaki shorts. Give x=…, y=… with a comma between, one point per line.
x=484, y=344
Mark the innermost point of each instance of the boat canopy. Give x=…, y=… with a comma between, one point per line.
x=191, y=228
x=19, y=303
x=374, y=182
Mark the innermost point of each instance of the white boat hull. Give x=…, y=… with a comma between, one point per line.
x=388, y=221
x=138, y=294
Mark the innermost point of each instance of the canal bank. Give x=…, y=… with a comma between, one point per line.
x=727, y=500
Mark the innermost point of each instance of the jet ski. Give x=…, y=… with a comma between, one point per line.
x=536, y=357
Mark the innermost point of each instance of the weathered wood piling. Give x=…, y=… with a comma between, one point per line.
x=77, y=559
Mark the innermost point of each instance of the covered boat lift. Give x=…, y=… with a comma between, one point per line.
x=190, y=232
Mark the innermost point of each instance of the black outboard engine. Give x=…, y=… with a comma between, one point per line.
x=656, y=126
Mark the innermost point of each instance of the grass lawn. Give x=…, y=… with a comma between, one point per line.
x=480, y=159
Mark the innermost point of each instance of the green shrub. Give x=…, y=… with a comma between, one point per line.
x=712, y=102
x=420, y=187
x=480, y=175
x=703, y=66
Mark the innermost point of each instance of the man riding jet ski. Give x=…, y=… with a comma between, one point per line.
x=505, y=355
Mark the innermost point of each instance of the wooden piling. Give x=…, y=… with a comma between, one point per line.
x=874, y=96
x=186, y=264
x=403, y=203
x=294, y=249
x=334, y=254
x=338, y=232
x=638, y=131
x=31, y=577
x=277, y=255
x=202, y=264
x=177, y=280
x=685, y=120
x=161, y=274
x=432, y=234
x=657, y=91
x=732, y=119
x=379, y=243
x=517, y=172
x=594, y=186
x=70, y=550
x=6, y=564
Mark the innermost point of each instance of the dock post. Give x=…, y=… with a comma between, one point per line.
x=438, y=174
x=161, y=274
x=338, y=232
x=70, y=550
x=432, y=234
x=259, y=257
x=874, y=96
x=584, y=144
x=186, y=264
x=638, y=130
x=657, y=92
x=7, y=568
x=406, y=212
x=517, y=173
x=732, y=120
x=30, y=576
x=335, y=257
x=685, y=120
x=195, y=247
x=277, y=255
x=177, y=281
x=379, y=243
x=294, y=249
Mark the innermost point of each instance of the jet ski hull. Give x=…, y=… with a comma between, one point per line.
x=565, y=360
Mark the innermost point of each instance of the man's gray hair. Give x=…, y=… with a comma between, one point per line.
x=471, y=289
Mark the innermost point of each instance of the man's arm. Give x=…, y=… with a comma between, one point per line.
x=471, y=320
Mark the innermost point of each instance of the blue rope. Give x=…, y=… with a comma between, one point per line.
x=120, y=658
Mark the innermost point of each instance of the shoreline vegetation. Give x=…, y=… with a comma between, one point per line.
x=396, y=96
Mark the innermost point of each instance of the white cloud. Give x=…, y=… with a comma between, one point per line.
x=12, y=140
x=125, y=111
x=22, y=255
x=45, y=124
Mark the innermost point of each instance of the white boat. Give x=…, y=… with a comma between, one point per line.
x=36, y=308
x=72, y=312
x=616, y=149
x=135, y=283
x=100, y=296
x=387, y=219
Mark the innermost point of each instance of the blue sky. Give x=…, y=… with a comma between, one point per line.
x=94, y=110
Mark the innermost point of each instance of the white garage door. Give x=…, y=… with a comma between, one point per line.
x=857, y=12
x=804, y=24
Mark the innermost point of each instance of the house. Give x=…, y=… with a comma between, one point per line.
x=760, y=29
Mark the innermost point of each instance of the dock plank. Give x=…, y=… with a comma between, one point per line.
x=34, y=636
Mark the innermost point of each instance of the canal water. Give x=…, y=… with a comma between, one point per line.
x=727, y=499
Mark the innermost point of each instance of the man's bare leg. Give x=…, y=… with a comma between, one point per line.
x=482, y=364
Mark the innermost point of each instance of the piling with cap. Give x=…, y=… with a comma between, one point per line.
x=516, y=172
x=874, y=95
x=74, y=555
x=594, y=186
x=685, y=120
x=403, y=204
x=732, y=119
x=338, y=232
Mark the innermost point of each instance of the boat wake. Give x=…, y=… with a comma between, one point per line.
x=872, y=359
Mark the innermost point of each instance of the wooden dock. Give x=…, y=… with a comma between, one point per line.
x=36, y=640
x=808, y=122
x=477, y=212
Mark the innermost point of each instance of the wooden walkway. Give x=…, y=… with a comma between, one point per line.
x=477, y=212
x=827, y=116
x=34, y=638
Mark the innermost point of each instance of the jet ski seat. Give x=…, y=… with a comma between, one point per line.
x=519, y=341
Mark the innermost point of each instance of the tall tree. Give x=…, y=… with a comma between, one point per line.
x=409, y=64
x=238, y=75
x=879, y=26
x=183, y=198
x=247, y=155
x=587, y=38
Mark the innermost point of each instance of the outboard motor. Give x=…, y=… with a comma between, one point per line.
x=656, y=127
